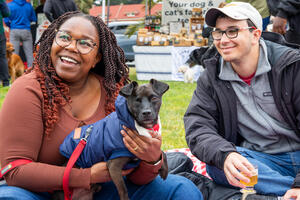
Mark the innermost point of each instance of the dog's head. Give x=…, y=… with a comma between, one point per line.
x=144, y=101
x=9, y=48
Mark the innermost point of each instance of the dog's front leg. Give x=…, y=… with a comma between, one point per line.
x=163, y=172
x=13, y=74
x=115, y=167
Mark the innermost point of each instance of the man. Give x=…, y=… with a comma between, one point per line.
x=245, y=109
x=55, y=8
x=4, y=76
x=287, y=18
x=21, y=16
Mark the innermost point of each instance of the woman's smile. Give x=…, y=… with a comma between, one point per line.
x=66, y=61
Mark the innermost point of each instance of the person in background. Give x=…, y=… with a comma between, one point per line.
x=38, y=11
x=245, y=110
x=287, y=19
x=206, y=32
x=263, y=9
x=21, y=16
x=76, y=77
x=55, y=8
x=4, y=75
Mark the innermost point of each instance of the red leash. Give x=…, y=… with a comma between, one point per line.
x=75, y=155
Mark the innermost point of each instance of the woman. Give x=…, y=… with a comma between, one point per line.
x=77, y=74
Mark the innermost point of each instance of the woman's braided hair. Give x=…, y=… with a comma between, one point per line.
x=56, y=93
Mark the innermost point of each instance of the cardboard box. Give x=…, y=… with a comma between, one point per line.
x=183, y=42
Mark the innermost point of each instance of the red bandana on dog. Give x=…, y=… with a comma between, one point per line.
x=152, y=132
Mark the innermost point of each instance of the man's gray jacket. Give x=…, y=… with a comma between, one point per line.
x=211, y=118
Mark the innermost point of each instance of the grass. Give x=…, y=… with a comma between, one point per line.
x=175, y=102
x=3, y=91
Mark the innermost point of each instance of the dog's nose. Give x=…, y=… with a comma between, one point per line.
x=146, y=113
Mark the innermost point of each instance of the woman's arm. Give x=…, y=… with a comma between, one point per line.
x=22, y=137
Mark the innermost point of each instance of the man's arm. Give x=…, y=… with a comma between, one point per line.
x=202, y=129
x=33, y=15
x=4, y=9
x=285, y=9
x=7, y=21
x=48, y=10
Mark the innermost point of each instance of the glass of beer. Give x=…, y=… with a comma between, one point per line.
x=253, y=180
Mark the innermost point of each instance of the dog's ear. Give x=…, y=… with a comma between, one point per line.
x=128, y=89
x=158, y=86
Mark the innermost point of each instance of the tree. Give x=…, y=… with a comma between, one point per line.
x=35, y=3
x=84, y=5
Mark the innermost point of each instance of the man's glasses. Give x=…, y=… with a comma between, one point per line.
x=84, y=46
x=231, y=33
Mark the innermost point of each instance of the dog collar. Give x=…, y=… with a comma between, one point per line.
x=152, y=132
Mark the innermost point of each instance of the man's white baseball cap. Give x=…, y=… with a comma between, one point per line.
x=235, y=10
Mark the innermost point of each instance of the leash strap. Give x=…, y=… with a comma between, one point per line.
x=12, y=165
x=75, y=155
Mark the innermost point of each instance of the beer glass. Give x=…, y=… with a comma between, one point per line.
x=253, y=180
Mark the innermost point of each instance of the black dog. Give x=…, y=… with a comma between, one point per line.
x=138, y=109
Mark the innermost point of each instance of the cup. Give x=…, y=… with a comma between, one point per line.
x=253, y=181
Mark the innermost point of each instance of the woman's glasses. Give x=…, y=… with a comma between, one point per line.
x=84, y=46
x=231, y=33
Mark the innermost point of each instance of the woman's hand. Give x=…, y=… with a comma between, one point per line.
x=293, y=193
x=147, y=149
x=100, y=174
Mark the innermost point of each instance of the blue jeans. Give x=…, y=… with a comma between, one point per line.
x=174, y=187
x=276, y=172
x=4, y=76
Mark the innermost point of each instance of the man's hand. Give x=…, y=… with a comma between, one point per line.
x=292, y=194
x=234, y=165
x=147, y=149
x=279, y=25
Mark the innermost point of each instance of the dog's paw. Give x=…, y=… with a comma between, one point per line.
x=163, y=173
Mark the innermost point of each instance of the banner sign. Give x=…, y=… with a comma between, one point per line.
x=181, y=10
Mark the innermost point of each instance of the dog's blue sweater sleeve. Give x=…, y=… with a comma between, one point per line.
x=105, y=142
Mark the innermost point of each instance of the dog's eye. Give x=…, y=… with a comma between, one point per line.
x=138, y=100
x=154, y=99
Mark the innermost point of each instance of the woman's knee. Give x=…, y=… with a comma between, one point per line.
x=180, y=187
x=174, y=187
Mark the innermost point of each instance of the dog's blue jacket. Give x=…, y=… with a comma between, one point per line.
x=105, y=141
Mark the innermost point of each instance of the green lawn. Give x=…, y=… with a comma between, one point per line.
x=3, y=92
x=175, y=102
